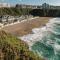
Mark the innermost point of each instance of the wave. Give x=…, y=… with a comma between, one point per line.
x=46, y=40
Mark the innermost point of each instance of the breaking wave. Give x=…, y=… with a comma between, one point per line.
x=46, y=40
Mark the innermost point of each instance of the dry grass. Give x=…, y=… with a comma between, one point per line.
x=23, y=28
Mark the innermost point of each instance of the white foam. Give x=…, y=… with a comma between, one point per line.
x=36, y=36
x=36, y=30
x=55, y=20
x=57, y=47
x=38, y=33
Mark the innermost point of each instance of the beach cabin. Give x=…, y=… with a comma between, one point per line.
x=11, y=19
x=3, y=19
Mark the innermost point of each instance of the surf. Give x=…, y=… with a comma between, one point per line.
x=45, y=41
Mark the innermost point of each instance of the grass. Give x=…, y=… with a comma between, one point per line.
x=12, y=48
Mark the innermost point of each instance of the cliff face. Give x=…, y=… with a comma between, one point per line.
x=13, y=49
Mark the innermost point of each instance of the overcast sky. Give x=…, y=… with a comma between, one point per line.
x=34, y=2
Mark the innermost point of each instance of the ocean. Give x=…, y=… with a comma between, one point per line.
x=45, y=41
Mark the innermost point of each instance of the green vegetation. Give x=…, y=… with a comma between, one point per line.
x=46, y=12
x=14, y=11
x=12, y=48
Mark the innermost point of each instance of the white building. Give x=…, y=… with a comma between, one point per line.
x=5, y=5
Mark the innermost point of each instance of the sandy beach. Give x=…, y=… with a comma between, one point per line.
x=26, y=27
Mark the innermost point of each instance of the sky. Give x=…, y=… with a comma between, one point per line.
x=33, y=2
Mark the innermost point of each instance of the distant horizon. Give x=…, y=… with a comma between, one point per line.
x=32, y=2
x=28, y=4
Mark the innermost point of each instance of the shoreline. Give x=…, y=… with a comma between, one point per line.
x=25, y=27
x=37, y=34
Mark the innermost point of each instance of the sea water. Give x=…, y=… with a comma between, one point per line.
x=49, y=44
x=45, y=41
